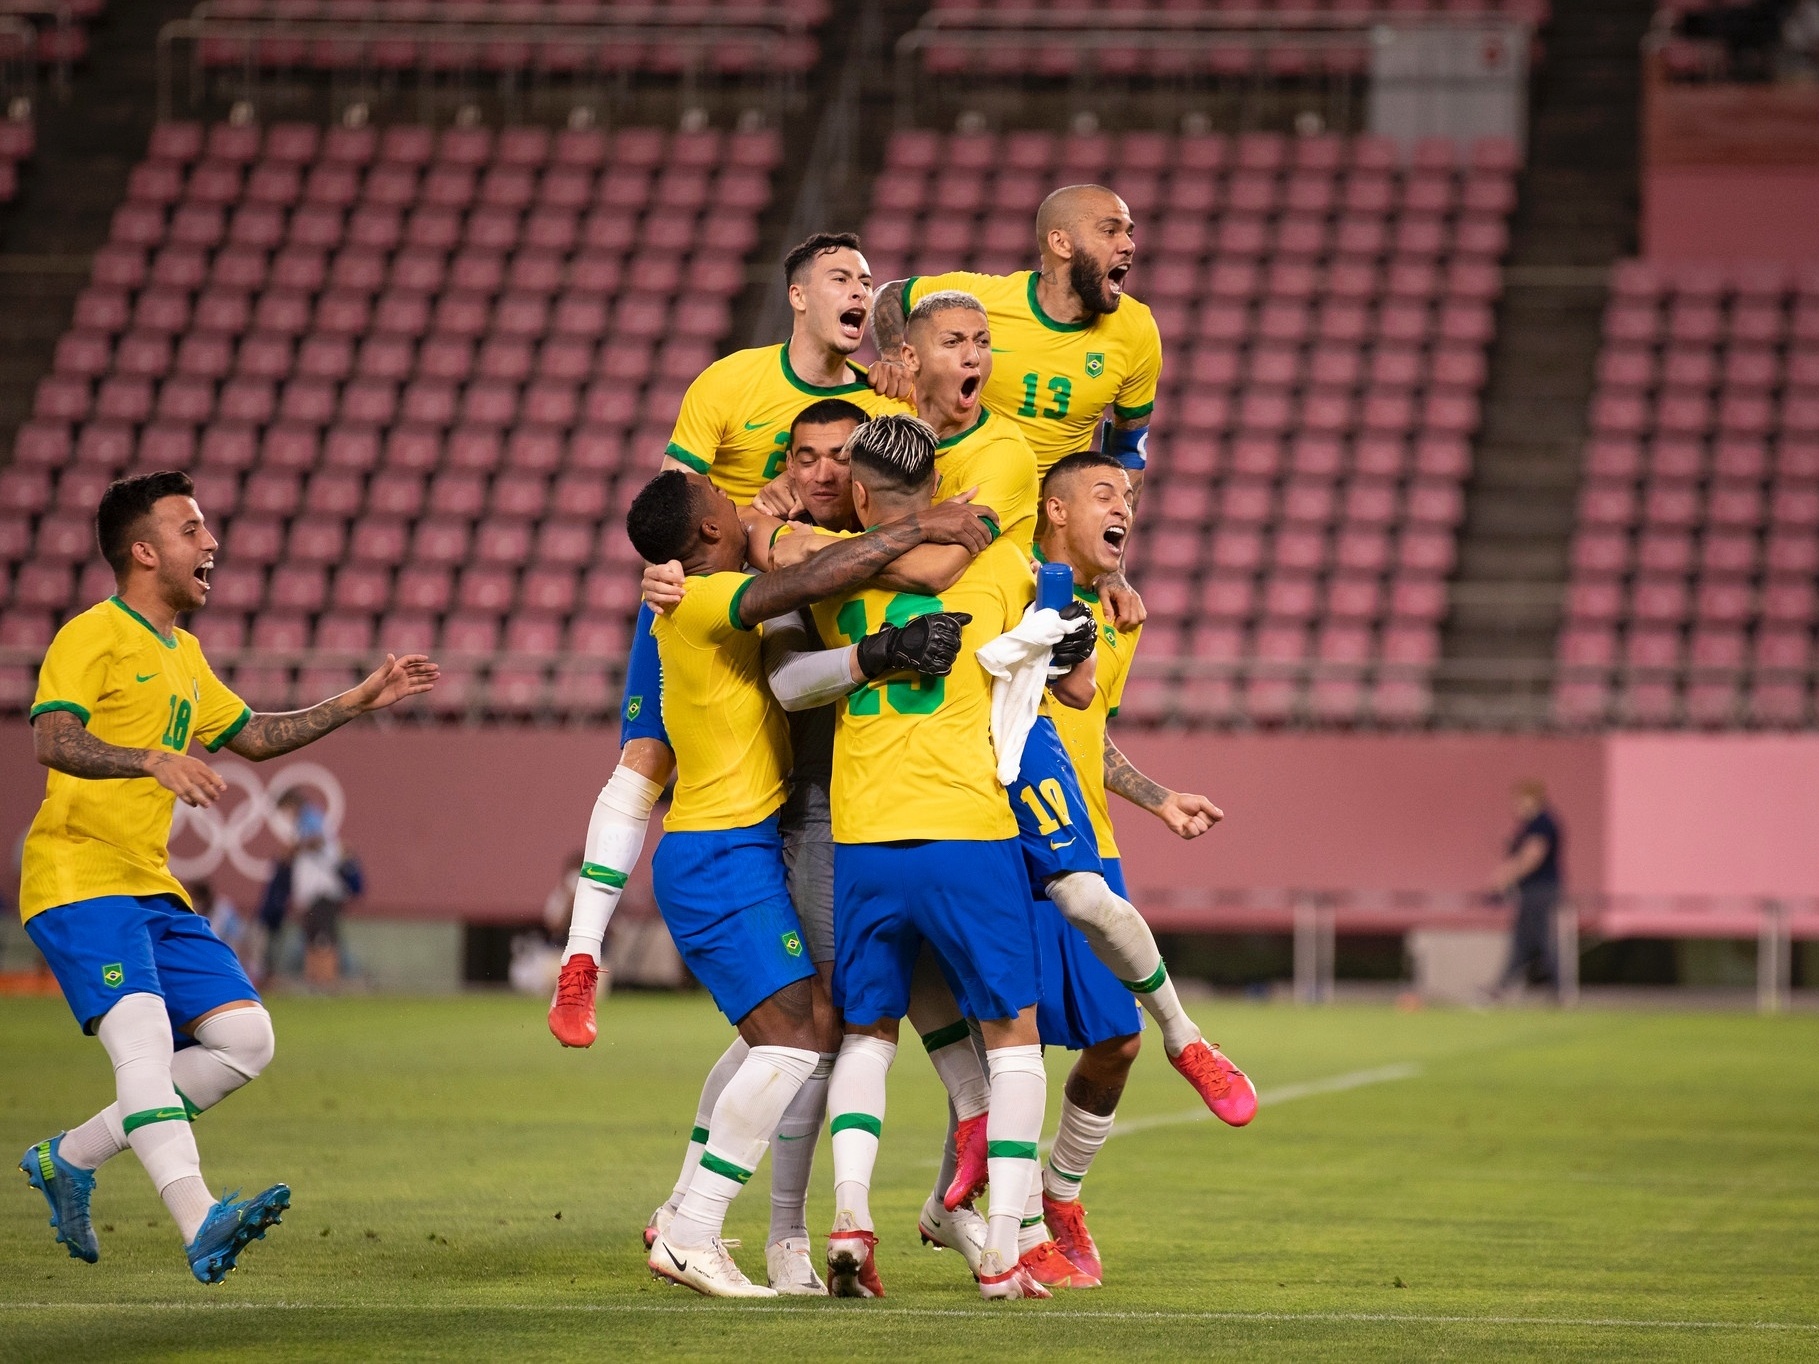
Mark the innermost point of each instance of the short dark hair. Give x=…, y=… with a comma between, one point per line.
x=661, y=523
x=818, y=245
x=897, y=450
x=1069, y=465
x=125, y=504
x=825, y=410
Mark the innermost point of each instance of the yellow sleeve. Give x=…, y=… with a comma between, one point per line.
x=220, y=714
x=700, y=424
x=1115, y=697
x=1137, y=395
x=73, y=676
x=918, y=287
x=1018, y=584
x=709, y=610
x=1007, y=483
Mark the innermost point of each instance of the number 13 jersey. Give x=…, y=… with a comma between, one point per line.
x=913, y=755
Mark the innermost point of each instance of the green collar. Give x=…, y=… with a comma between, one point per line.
x=1044, y=318
x=169, y=642
x=816, y=389
x=1085, y=594
x=955, y=439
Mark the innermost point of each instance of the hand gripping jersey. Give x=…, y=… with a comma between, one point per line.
x=130, y=686
x=735, y=418
x=913, y=755
x=1055, y=379
x=730, y=737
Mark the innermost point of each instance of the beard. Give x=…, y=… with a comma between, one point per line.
x=1090, y=286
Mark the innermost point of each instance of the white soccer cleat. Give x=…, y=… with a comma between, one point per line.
x=790, y=1270
x=707, y=1269
x=963, y=1230
x=997, y=1281
x=658, y=1224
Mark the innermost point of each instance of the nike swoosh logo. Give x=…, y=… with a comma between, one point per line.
x=753, y=426
x=1057, y=847
x=681, y=1265
x=784, y=1137
x=147, y=678
x=999, y=350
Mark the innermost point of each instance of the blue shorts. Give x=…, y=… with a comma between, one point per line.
x=104, y=949
x=641, y=708
x=1053, y=823
x=725, y=897
x=966, y=899
x=1082, y=1001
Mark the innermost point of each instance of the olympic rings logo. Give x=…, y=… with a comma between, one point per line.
x=230, y=836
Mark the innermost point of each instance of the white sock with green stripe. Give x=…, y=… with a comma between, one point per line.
x=137, y=1035
x=793, y=1156
x=1034, y=1230
x=724, y=1070
x=1122, y=940
x=855, y=1102
x=750, y=1107
x=957, y=1063
x=1019, y=1094
x=1077, y=1141
x=615, y=838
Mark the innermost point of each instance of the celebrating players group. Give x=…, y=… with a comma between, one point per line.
x=890, y=764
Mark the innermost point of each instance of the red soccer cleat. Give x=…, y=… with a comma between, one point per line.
x=969, y=1169
x=1067, y=1224
x=852, y=1268
x=1227, y=1090
x=571, y=1012
x=1050, y=1268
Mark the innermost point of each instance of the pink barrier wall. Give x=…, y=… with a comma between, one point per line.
x=1726, y=213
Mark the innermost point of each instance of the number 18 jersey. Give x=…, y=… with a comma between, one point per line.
x=913, y=755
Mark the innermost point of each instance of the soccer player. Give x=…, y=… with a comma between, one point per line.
x=925, y=851
x=121, y=695
x=734, y=428
x=718, y=872
x=1069, y=342
x=1085, y=1006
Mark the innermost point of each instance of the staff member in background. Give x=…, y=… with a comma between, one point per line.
x=1531, y=872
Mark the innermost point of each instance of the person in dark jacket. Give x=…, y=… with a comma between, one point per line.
x=1530, y=874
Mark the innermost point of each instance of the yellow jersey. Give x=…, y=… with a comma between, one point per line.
x=913, y=755
x=730, y=737
x=735, y=418
x=993, y=457
x=1083, y=731
x=1055, y=379
x=136, y=688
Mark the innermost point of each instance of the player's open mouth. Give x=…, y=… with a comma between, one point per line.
x=1114, y=536
x=202, y=575
x=969, y=390
x=1115, y=277
x=852, y=322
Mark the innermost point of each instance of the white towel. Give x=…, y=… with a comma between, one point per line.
x=1018, y=663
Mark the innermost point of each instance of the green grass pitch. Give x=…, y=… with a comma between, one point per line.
x=1609, y=1185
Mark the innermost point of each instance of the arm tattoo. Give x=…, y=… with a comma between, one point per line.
x=887, y=318
x=63, y=743
x=268, y=736
x=1124, y=779
x=847, y=564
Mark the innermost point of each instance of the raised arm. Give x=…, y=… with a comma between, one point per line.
x=63, y=743
x=271, y=735
x=886, y=374
x=1187, y=815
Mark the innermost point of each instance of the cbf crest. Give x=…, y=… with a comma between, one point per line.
x=1095, y=364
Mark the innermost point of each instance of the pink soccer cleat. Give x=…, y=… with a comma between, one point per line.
x=1227, y=1090
x=1052, y=1269
x=1067, y=1224
x=1016, y=1281
x=571, y=1012
x=969, y=1169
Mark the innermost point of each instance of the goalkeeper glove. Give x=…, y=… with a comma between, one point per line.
x=1076, y=645
x=928, y=644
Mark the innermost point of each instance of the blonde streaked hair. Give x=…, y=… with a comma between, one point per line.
x=898, y=446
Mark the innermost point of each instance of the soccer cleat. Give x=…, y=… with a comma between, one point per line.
x=230, y=1227
x=963, y=1230
x=969, y=1163
x=1067, y=1224
x=1050, y=1268
x=658, y=1224
x=790, y=1270
x=67, y=1188
x=996, y=1281
x=571, y=1012
x=707, y=1269
x=1227, y=1090
x=852, y=1268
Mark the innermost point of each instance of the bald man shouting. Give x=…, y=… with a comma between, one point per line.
x=1066, y=341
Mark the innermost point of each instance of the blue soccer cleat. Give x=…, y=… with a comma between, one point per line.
x=67, y=1189
x=230, y=1227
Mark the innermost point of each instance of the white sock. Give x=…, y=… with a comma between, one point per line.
x=137, y=1035
x=232, y=1048
x=950, y=1160
x=950, y=1049
x=615, y=837
x=1034, y=1230
x=855, y=1103
x=1077, y=1141
x=750, y=1107
x=1123, y=941
x=1019, y=1094
x=724, y=1070
x=793, y=1154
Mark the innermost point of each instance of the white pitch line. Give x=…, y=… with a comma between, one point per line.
x=1269, y=1098
x=982, y=1314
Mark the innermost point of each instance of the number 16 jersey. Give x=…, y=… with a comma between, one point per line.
x=913, y=755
